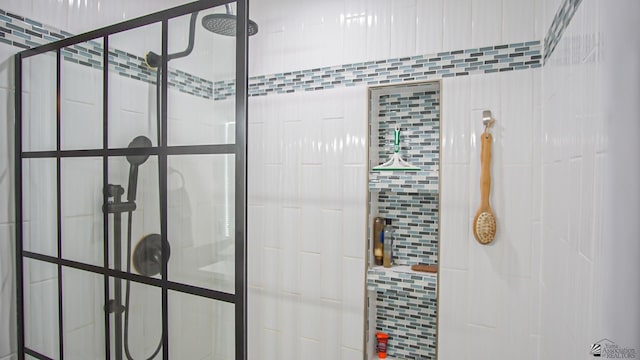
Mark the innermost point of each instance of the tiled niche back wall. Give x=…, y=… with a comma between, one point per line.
x=415, y=224
x=410, y=199
x=410, y=319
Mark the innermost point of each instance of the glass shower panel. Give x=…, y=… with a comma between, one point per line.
x=200, y=328
x=201, y=91
x=132, y=94
x=39, y=102
x=141, y=328
x=201, y=224
x=81, y=210
x=83, y=315
x=99, y=282
x=39, y=206
x=41, y=307
x=81, y=90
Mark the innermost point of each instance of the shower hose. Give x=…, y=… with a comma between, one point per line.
x=129, y=225
x=128, y=296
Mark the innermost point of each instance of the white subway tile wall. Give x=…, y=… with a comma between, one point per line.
x=574, y=153
x=545, y=256
x=364, y=30
x=313, y=258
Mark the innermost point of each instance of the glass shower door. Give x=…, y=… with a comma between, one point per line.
x=131, y=188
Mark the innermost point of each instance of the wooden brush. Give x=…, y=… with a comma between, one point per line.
x=484, y=223
x=425, y=268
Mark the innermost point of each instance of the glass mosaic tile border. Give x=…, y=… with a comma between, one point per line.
x=484, y=60
x=26, y=33
x=560, y=22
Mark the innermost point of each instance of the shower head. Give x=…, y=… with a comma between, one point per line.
x=225, y=24
x=222, y=24
x=139, y=142
x=135, y=161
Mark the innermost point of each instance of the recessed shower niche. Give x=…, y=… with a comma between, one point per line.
x=404, y=121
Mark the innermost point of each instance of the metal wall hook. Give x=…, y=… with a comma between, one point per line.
x=487, y=120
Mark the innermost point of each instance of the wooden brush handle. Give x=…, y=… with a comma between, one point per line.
x=425, y=268
x=485, y=168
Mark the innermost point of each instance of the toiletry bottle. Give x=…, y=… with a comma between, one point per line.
x=381, y=344
x=378, y=229
x=387, y=246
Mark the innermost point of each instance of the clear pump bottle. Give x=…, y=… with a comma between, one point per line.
x=387, y=245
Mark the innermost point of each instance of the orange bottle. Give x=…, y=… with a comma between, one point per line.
x=382, y=344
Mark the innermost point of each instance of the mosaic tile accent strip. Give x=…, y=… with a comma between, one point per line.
x=25, y=33
x=559, y=24
x=406, y=309
x=484, y=60
x=418, y=115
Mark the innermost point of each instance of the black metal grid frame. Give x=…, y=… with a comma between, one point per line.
x=239, y=149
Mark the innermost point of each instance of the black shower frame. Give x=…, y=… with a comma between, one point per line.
x=239, y=149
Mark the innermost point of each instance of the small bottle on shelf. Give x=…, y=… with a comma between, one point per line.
x=387, y=246
x=378, y=229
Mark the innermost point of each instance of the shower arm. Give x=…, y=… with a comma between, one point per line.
x=192, y=28
x=189, y=49
x=154, y=60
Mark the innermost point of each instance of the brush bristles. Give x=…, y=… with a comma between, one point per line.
x=485, y=228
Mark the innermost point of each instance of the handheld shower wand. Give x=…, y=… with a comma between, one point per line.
x=152, y=256
x=135, y=161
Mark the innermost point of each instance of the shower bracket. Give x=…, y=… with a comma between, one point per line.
x=116, y=205
x=114, y=307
